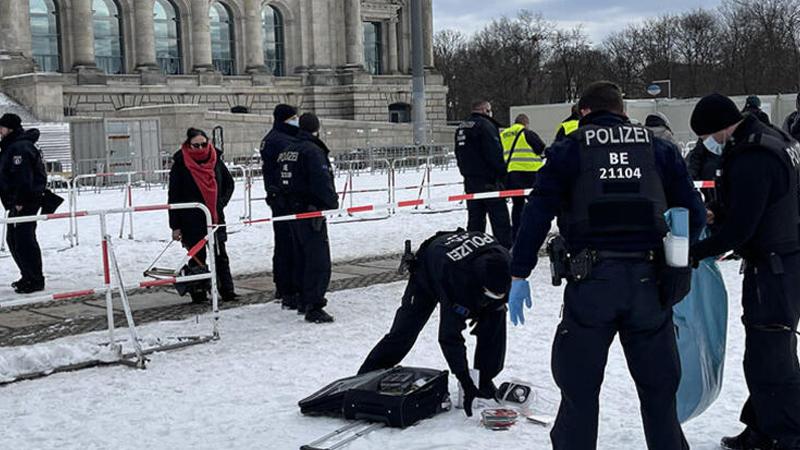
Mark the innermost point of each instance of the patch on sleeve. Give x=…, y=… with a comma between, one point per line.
x=18, y=160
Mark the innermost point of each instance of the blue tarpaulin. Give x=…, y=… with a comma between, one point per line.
x=701, y=324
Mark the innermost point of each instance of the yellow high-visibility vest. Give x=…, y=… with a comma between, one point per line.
x=569, y=126
x=523, y=158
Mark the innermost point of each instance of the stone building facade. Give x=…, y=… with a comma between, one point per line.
x=343, y=59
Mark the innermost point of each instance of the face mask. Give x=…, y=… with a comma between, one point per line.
x=713, y=146
x=295, y=122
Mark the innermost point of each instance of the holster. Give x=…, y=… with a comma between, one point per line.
x=566, y=266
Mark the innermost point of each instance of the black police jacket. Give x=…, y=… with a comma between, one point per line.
x=23, y=177
x=281, y=136
x=479, y=152
x=183, y=189
x=555, y=182
x=306, y=177
x=445, y=271
x=757, y=194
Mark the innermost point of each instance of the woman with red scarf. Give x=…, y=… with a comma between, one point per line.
x=199, y=175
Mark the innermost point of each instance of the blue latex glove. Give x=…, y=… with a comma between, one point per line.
x=520, y=293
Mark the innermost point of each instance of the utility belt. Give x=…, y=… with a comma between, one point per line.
x=674, y=283
x=772, y=261
x=578, y=266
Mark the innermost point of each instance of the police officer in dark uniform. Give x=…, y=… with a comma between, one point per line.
x=23, y=179
x=468, y=274
x=480, y=160
x=306, y=182
x=757, y=216
x=283, y=134
x=609, y=183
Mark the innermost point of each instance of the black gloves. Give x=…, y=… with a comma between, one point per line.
x=487, y=390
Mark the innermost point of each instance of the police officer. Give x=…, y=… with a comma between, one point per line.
x=22, y=183
x=306, y=182
x=523, y=150
x=757, y=215
x=609, y=183
x=791, y=124
x=283, y=134
x=569, y=125
x=467, y=273
x=480, y=160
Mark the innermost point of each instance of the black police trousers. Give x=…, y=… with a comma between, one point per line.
x=620, y=296
x=771, y=304
x=23, y=246
x=518, y=180
x=409, y=320
x=283, y=257
x=311, y=261
x=495, y=208
x=222, y=264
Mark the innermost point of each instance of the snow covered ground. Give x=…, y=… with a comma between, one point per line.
x=250, y=247
x=242, y=391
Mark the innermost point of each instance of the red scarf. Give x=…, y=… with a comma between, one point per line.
x=202, y=165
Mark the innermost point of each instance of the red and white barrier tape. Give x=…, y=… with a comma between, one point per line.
x=705, y=184
x=101, y=290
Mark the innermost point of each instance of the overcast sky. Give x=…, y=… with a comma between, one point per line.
x=599, y=17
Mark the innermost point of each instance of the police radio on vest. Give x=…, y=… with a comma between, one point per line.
x=617, y=135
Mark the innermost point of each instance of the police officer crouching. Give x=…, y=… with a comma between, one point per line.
x=23, y=180
x=757, y=215
x=609, y=183
x=467, y=273
x=479, y=154
x=306, y=181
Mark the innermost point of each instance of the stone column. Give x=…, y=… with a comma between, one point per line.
x=391, y=44
x=15, y=38
x=144, y=33
x=83, y=44
x=427, y=25
x=201, y=37
x=354, y=35
x=320, y=36
x=254, y=36
x=83, y=36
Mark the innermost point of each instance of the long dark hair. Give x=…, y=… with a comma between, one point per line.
x=192, y=133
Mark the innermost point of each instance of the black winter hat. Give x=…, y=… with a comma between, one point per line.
x=713, y=113
x=752, y=102
x=283, y=113
x=309, y=123
x=494, y=272
x=11, y=121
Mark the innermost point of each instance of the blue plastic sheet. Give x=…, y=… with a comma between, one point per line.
x=701, y=323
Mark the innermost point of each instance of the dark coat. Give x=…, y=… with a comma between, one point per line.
x=702, y=163
x=312, y=186
x=278, y=139
x=792, y=125
x=183, y=189
x=480, y=153
x=760, y=115
x=23, y=177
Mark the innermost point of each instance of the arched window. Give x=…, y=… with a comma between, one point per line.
x=45, y=35
x=222, y=38
x=168, y=39
x=274, y=56
x=373, y=47
x=400, y=113
x=107, y=36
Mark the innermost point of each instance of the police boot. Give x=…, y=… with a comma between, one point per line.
x=318, y=315
x=748, y=439
x=289, y=302
x=29, y=287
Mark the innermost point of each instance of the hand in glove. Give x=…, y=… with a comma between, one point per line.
x=471, y=393
x=520, y=293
